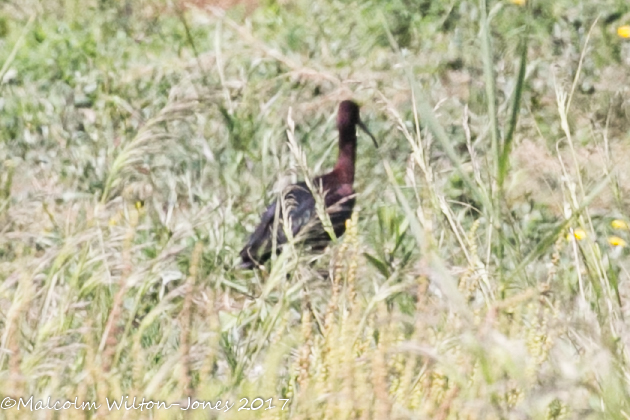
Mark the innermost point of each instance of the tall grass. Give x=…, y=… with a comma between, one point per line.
x=483, y=274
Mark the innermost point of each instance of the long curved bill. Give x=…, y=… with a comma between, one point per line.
x=364, y=128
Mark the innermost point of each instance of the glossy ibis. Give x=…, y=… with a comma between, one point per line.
x=339, y=198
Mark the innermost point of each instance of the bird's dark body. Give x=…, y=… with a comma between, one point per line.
x=305, y=223
x=339, y=200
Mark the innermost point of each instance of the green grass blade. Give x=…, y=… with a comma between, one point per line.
x=504, y=159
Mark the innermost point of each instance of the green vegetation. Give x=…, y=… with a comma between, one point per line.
x=484, y=274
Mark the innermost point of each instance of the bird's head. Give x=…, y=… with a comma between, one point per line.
x=348, y=117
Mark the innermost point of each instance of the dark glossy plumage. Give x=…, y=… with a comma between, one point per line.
x=339, y=199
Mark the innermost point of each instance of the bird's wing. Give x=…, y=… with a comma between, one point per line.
x=298, y=201
x=259, y=243
x=300, y=204
x=338, y=201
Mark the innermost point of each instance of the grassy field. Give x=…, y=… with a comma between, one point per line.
x=484, y=274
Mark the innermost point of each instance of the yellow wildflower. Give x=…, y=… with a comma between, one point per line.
x=139, y=204
x=624, y=31
x=619, y=224
x=578, y=233
x=519, y=2
x=616, y=241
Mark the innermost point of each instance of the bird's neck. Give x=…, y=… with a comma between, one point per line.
x=344, y=168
